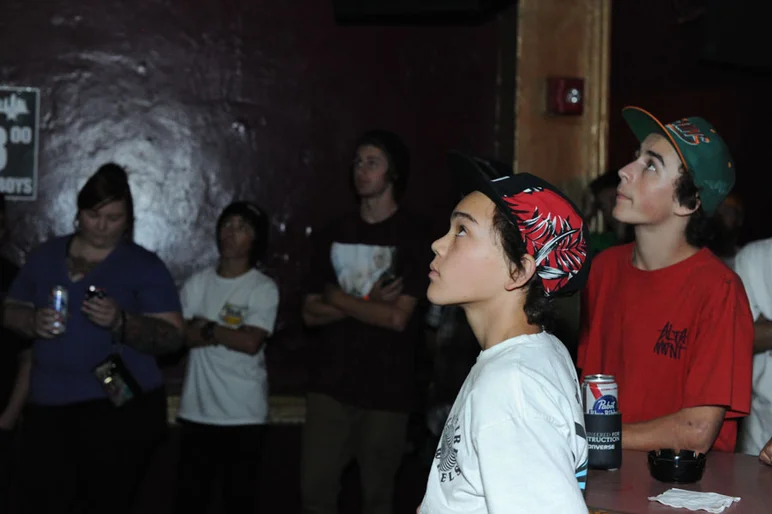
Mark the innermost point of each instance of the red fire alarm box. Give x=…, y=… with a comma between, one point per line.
x=565, y=95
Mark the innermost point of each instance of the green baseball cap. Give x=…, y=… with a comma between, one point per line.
x=702, y=151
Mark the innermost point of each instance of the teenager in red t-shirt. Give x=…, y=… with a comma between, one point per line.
x=663, y=315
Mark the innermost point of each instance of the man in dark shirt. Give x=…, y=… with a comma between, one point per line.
x=15, y=360
x=369, y=278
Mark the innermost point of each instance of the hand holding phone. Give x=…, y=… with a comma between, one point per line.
x=95, y=292
x=387, y=288
x=387, y=279
x=100, y=308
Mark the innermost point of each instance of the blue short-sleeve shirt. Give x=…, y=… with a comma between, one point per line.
x=62, y=367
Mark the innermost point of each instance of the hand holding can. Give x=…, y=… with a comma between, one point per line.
x=54, y=319
x=47, y=323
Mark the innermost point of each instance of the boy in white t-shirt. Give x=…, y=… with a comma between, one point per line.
x=514, y=440
x=754, y=266
x=230, y=310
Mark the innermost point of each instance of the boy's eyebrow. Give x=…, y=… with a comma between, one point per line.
x=656, y=156
x=461, y=214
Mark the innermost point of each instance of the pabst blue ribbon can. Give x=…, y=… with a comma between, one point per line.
x=58, y=301
x=600, y=394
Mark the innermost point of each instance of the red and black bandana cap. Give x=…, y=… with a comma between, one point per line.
x=551, y=226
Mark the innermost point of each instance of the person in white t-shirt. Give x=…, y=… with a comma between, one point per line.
x=514, y=440
x=230, y=311
x=754, y=266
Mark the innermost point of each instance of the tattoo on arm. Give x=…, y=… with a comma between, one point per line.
x=151, y=335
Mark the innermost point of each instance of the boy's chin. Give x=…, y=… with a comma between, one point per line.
x=623, y=215
x=438, y=297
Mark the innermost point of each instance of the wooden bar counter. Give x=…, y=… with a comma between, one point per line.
x=627, y=489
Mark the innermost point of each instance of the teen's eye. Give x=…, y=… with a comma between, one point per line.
x=461, y=231
x=650, y=166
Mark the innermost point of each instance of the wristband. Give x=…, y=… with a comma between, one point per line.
x=207, y=331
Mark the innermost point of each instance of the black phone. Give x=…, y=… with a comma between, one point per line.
x=390, y=275
x=95, y=292
x=387, y=279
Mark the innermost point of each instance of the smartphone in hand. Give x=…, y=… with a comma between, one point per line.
x=95, y=292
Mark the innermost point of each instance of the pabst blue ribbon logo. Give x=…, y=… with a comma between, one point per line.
x=606, y=404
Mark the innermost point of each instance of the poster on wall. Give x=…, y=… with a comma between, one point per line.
x=19, y=114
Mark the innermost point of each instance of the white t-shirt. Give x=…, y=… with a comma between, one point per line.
x=223, y=386
x=754, y=266
x=514, y=440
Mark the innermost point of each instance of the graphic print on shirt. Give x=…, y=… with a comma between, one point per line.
x=581, y=470
x=447, y=453
x=233, y=315
x=671, y=342
x=358, y=266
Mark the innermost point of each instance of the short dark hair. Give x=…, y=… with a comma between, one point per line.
x=538, y=307
x=397, y=155
x=256, y=218
x=108, y=184
x=701, y=228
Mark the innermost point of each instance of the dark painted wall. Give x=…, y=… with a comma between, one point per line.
x=209, y=100
x=655, y=63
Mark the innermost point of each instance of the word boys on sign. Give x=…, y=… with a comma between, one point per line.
x=19, y=111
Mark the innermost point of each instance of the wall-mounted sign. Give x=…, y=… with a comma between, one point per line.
x=19, y=114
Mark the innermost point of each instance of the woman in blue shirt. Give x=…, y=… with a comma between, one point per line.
x=97, y=406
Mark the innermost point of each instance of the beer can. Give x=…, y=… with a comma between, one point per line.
x=58, y=301
x=600, y=394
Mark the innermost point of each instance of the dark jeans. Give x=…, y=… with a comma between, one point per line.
x=8, y=463
x=336, y=433
x=218, y=458
x=89, y=457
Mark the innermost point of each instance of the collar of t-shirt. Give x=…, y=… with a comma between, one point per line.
x=497, y=349
x=672, y=271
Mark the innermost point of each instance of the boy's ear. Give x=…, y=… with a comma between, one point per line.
x=519, y=278
x=683, y=210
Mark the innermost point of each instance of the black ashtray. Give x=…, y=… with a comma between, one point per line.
x=684, y=467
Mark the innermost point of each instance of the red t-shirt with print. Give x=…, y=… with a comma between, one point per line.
x=674, y=338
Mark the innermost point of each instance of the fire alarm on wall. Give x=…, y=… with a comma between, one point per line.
x=565, y=95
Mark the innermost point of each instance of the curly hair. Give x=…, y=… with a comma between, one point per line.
x=701, y=228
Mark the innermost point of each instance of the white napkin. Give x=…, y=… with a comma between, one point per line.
x=693, y=500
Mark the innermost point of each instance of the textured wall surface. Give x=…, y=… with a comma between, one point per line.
x=205, y=101
x=566, y=150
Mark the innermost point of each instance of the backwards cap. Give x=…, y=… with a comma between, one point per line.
x=550, y=225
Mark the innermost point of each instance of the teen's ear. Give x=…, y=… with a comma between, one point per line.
x=520, y=277
x=685, y=211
